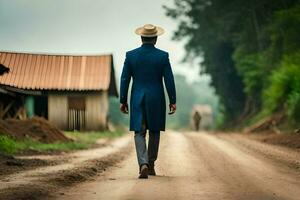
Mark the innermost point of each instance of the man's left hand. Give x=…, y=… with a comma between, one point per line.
x=124, y=108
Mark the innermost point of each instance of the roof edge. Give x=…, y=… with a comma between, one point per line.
x=6, y=86
x=58, y=54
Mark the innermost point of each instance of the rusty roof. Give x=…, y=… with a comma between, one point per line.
x=58, y=72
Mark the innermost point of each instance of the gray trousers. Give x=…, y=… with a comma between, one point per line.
x=144, y=155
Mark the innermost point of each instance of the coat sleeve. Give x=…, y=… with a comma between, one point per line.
x=125, y=80
x=169, y=80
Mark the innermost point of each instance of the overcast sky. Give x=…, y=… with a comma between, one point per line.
x=87, y=27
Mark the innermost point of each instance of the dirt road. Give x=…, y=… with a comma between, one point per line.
x=201, y=166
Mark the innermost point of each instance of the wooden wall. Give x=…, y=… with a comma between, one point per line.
x=96, y=110
x=58, y=110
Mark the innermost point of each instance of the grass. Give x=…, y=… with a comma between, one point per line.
x=7, y=145
x=81, y=141
x=91, y=137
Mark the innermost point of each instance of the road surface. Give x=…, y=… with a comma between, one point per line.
x=200, y=166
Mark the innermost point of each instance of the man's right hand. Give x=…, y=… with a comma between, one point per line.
x=124, y=108
x=172, y=108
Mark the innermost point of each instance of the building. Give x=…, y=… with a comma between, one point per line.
x=71, y=91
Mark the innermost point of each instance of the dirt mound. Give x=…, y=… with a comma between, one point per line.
x=267, y=124
x=10, y=164
x=285, y=139
x=37, y=128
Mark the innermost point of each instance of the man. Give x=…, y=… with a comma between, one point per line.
x=148, y=67
x=197, y=120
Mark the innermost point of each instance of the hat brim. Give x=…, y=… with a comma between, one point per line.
x=160, y=31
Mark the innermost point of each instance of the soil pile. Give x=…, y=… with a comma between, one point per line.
x=36, y=128
x=10, y=164
x=268, y=124
x=285, y=139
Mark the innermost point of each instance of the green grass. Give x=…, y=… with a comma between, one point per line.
x=81, y=141
x=91, y=137
x=8, y=145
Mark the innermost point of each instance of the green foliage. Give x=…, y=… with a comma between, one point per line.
x=248, y=49
x=284, y=89
x=293, y=106
x=206, y=25
x=284, y=31
x=250, y=67
x=7, y=145
x=10, y=146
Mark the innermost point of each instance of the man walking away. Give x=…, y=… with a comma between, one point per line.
x=148, y=66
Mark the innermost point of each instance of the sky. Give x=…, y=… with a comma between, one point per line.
x=88, y=27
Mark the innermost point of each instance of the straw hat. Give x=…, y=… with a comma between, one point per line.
x=149, y=30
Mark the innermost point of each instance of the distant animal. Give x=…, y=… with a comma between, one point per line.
x=3, y=69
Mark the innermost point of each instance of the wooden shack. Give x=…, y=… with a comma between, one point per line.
x=71, y=91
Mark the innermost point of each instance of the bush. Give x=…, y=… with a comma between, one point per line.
x=284, y=89
x=251, y=68
x=293, y=107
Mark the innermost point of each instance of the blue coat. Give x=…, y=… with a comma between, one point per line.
x=148, y=67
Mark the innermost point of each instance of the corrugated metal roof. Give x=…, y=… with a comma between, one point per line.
x=57, y=72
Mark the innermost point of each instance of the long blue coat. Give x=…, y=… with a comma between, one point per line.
x=148, y=67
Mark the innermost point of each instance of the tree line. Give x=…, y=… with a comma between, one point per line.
x=251, y=50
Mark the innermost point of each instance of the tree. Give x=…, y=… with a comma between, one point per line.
x=240, y=42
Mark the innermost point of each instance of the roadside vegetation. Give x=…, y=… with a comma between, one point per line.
x=251, y=50
x=81, y=140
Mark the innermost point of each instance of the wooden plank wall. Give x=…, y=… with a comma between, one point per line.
x=76, y=120
x=58, y=110
x=97, y=111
